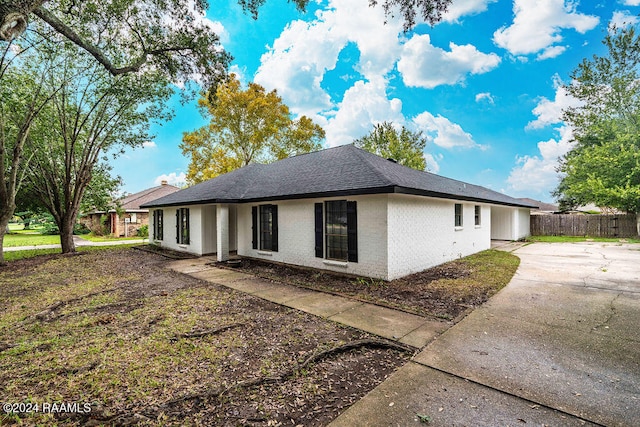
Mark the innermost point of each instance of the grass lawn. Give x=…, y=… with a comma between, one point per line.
x=94, y=238
x=22, y=239
x=143, y=345
x=32, y=253
x=576, y=239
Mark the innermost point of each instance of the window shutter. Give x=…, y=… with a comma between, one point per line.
x=274, y=228
x=254, y=226
x=352, y=232
x=178, y=226
x=187, y=238
x=318, y=230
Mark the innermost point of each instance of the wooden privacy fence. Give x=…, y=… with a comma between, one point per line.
x=584, y=225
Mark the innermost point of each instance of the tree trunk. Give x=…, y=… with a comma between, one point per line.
x=66, y=235
x=4, y=223
x=14, y=16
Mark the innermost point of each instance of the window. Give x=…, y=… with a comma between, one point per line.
x=478, y=215
x=182, y=226
x=158, y=228
x=265, y=227
x=336, y=230
x=458, y=215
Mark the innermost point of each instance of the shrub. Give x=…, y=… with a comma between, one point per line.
x=143, y=231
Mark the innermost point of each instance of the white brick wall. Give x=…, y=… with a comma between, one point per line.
x=296, y=237
x=397, y=234
x=202, y=233
x=422, y=233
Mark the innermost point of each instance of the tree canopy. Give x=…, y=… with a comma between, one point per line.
x=246, y=126
x=603, y=167
x=404, y=146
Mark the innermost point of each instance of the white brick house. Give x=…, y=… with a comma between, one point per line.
x=340, y=209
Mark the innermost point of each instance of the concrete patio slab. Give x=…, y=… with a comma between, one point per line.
x=556, y=339
x=218, y=275
x=281, y=294
x=321, y=304
x=386, y=322
x=425, y=333
x=416, y=390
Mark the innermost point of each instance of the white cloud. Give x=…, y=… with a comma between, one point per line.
x=623, y=19
x=149, y=144
x=551, y=52
x=424, y=65
x=296, y=63
x=631, y=2
x=536, y=175
x=432, y=162
x=537, y=25
x=442, y=132
x=363, y=105
x=485, y=96
x=550, y=112
x=172, y=179
x=460, y=8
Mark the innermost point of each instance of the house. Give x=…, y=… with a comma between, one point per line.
x=543, y=208
x=131, y=217
x=341, y=209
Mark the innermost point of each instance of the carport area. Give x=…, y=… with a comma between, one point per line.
x=560, y=345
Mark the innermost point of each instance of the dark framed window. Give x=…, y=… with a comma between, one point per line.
x=158, y=224
x=458, y=215
x=264, y=222
x=336, y=230
x=182, y=226
x=478, y=215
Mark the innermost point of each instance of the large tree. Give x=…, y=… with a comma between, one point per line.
x=246, y=126
x=402, y=145
x=61, y=14
x=92, y=114
x=24, y=95
x=603, y=167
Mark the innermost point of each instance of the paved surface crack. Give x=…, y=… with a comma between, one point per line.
x=612, y=312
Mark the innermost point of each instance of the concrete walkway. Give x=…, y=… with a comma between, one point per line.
x=393, y=324
x=559, y=346
x=79, y=241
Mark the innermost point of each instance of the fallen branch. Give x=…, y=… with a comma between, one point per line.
x=207, y=332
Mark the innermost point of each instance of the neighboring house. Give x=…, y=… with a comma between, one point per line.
x=132, y=215
x=341, y=209
x=543, y=208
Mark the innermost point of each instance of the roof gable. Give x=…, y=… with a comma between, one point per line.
x=344, y=170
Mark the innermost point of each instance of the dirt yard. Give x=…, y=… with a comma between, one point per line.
x=142, y=344
x=446, y=291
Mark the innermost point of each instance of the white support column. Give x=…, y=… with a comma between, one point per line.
x=222, y=230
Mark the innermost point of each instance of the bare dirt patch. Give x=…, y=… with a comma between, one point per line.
x=144, y=345
x=445, y=291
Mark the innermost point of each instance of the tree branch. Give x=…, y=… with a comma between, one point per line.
x=94, y=51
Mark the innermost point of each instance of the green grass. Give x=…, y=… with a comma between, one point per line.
x=17, y=255
x=576, y=239
x=94, y=238
x=13, y=240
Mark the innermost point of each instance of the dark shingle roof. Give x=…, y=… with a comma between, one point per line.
x=340, y=171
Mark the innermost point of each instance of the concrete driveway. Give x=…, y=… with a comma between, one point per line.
x=560, y=345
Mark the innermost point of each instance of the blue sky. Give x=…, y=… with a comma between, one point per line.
x=484, y=85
